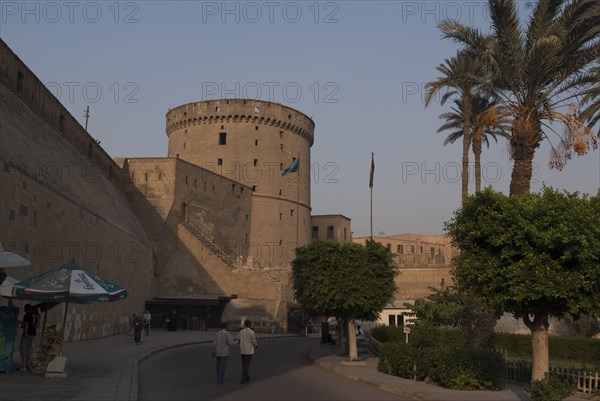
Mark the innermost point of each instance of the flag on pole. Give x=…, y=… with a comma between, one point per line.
x=292, y=167
x=372, y=173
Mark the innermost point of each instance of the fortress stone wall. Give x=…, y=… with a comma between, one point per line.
x=61, y=199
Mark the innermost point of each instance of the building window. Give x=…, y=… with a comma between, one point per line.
x=344, y=233
x=186, y=179
x=222, y=138
x=329, y=232
x=255, y=162
x=242, y=190
x=256, y=128
x=315, y=232
x=399, y=249
x=253, y=188
x=246, y=217
x=392, y=320
x=219, y=162
x=291, y=212
x=233, y=187
x=256, y=142
x=412, y=249
x=280, y=216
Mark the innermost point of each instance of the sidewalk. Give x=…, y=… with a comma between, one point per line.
x=107, y=369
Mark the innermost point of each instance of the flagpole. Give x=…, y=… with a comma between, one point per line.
x=298, y=204
x=371, y=176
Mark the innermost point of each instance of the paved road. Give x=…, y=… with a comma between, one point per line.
x=280, y=371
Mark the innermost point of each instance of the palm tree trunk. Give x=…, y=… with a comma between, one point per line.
x=539, y=341
x=525, y=139
x=477, y=155
x=467, y=110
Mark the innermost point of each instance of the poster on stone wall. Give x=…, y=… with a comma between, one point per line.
x=8, y=332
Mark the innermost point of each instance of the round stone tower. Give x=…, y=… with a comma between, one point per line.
x=252, y=142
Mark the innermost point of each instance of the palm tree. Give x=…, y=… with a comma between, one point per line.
x=487, y=122
x=537, y=70
x=591, y=100
x=461, y=76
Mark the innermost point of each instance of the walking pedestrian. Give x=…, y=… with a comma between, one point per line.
x=248, y=344
x=137, y=328
x=147, y=318
x=220, y=350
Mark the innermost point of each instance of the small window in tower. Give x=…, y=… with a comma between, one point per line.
x=256, y=142
x=222, y=138
x=219, y=162
x=280, y=192
x=280, y=242
x=186, y=179
x=213, y=188
x=281, y=146
x=246, y=217
x=253, y=188
x=185, y=132
x=291, y=212
x=146, y=176
x=233, y=187
x=256, y=128
x=289, y=116
x=400, y=249
x=280, y=216
x=222, y=127
x=242, y=190
x=281, y=134
x=255, y=162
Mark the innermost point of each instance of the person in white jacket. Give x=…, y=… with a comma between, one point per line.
x=248, y=344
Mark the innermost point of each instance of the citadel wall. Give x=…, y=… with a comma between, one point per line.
x=61, y=202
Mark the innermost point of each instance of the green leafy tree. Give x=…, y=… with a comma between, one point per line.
x=538, y=68
x=532, y=255
x=346, y=280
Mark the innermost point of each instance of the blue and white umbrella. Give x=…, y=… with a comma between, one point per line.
x=69, y=283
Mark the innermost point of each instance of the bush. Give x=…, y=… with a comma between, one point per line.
x=386, y=334
x=584, y=350
x=475, y=369
x=436, y=354
x=551, y=388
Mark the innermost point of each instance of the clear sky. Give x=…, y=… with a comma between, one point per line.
x=358, y=68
